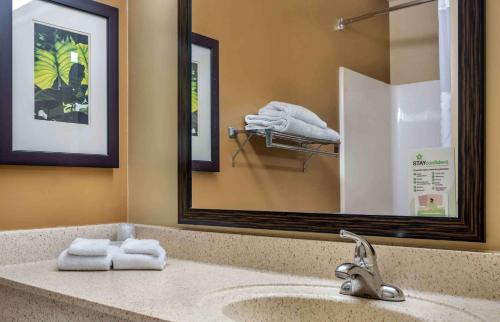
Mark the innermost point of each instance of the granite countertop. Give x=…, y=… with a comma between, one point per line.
x=193, y=291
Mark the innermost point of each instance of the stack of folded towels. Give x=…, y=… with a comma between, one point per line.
x=87, y=255
x=102, y=255
x=292, y=119
x=144, y=254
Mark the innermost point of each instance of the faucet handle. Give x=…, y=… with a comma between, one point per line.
x=364, y=254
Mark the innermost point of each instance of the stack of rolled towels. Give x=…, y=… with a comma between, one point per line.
x=103, y=255
x=292, y=119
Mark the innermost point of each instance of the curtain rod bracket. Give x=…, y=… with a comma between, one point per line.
x=340, y=24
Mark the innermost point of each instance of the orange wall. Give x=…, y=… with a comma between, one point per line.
x=414, y=37
x=282, y=50
x=153, y=108
x=33, y=197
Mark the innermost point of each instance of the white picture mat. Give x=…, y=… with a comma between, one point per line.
x=201, y=145
x=30, y=134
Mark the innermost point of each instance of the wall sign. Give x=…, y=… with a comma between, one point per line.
x=432, y=182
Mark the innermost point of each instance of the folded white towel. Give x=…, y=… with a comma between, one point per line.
x=142, y=246
x=89, y=247
x=290, y=125
x=281, y=109
x=123, y=261
x=68, y=262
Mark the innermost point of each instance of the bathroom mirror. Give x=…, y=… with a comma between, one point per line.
x=330, y=114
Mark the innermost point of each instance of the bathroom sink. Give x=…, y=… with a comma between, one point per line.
x=321, y=303
x=307, y=309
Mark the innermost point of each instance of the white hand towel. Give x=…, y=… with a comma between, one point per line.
x=124, y=261
x=298, y=112
x=290, y=125
x=68, y=262
x=89, y=247
x=262, y=122
x=142, y=246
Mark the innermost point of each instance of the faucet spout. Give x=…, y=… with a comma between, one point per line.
x=359, y=280
x=345, y=271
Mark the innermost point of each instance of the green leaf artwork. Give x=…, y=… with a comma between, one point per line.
x=194, y=99
x=61, y=75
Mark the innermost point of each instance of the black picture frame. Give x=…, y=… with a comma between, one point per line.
x=213, y=46
x=470, y=224
x=7, y=155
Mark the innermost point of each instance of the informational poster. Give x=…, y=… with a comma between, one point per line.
x=432, y=182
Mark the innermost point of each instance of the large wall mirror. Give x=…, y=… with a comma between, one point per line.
x=329, y=114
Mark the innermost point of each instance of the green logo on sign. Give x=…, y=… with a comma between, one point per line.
x=419, y=156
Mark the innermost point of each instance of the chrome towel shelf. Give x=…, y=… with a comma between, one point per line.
x=297, y=143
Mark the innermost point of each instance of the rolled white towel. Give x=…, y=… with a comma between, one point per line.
x=142, y=246
x=68, y=262
x=290, y=125
x=89, y=247
x=263, y=122
x=281, y=109
x=124, y=261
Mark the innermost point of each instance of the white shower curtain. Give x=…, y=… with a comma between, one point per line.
x=445, y=70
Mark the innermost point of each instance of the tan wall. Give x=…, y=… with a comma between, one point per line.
x=414, y=38
x=50, y=196
x=283, y=50
x=153, y=107
x=154, y=200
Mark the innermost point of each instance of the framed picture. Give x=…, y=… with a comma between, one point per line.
x=59, y=83
x=205, y=104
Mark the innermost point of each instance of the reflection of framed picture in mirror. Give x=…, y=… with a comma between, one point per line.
x=59, y=84
x=205, y=103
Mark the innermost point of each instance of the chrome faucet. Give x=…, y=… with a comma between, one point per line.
x=363, y=277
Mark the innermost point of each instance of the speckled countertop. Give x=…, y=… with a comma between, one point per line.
x=216, y=277
x=193, y=291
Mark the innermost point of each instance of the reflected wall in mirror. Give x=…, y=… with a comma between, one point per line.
x=331, y=110
x=386, y=85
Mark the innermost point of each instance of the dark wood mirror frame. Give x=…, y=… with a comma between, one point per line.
x=470, y=224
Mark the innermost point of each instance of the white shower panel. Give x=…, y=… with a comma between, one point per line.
x=379, y=125
x=365, y=153
x=416, y=124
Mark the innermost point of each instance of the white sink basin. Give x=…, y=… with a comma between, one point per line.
x=306, y=309
x=321, y=303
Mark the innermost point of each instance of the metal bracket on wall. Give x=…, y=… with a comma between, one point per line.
x=293, y=143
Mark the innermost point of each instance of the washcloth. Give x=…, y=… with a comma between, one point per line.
x=68, y=262
x=122, y=261
x=281, y=109
x=89, y=247
x=142, y=246
x=290, y=125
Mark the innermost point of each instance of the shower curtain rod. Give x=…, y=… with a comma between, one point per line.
x=341, y=22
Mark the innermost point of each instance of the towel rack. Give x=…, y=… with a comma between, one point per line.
x=298, y=143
